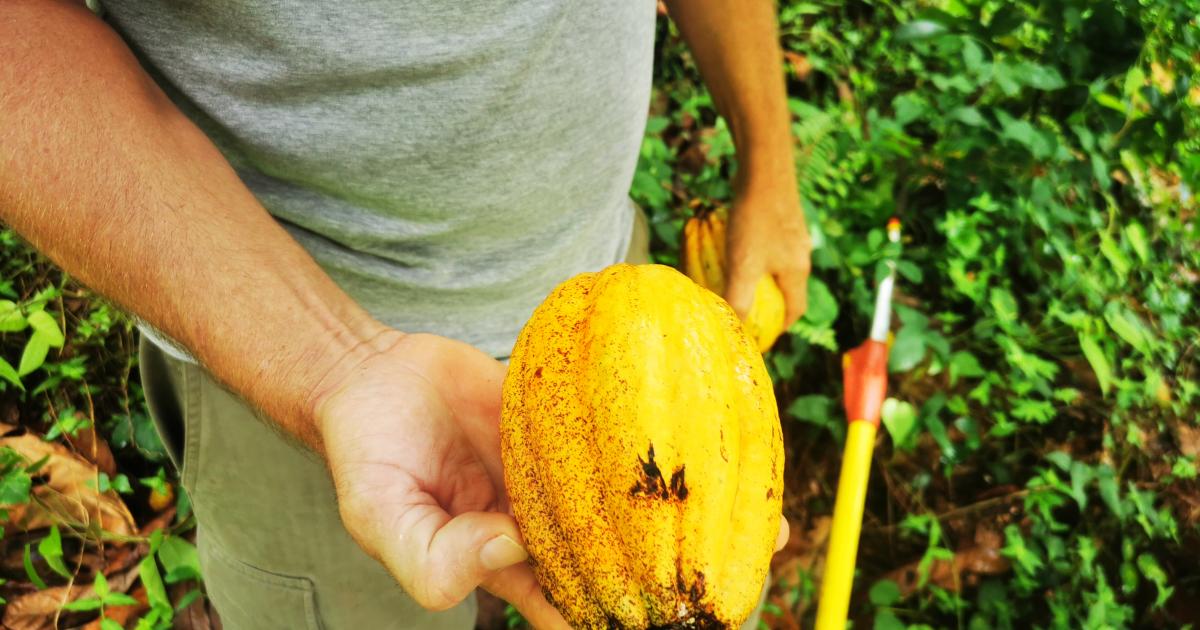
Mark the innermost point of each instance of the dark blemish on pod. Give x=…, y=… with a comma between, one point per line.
x=700, y=616
x=653, y=485
x=678, y=487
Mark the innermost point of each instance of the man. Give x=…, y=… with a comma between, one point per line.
x=344, y=212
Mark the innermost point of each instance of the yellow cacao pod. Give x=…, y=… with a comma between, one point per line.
x=703, y=260
x=642, y=453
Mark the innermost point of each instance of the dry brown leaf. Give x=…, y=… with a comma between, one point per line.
x=37, y=610
x=981, y=559
x=799, y=64
x=1189, y=438
x=94, y=448
x=200, y=615
x=69, y=492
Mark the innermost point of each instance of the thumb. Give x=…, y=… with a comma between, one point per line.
x=440, y=560
x=743, y=277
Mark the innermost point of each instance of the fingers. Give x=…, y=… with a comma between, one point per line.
x=743, y=277
x=782, y=539
x=793, y=282
x=518, y=586
x=471, y=384
x=439, y=560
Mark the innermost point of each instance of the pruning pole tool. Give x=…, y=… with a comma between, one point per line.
x=864, y=374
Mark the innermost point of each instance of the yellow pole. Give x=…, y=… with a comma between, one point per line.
x=834, y=604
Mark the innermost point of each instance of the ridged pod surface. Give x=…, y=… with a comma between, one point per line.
x=642, y=452
x=703, y=260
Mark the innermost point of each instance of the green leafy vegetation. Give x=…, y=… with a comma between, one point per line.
x=1041, y=463
x=71, y=417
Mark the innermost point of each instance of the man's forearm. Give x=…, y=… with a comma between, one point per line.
x=736, y=47
x=103, y=174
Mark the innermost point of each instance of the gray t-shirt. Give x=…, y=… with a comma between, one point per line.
x=447, y=163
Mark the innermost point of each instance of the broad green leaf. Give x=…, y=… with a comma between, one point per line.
x=45, y=325
x=1004, y=306
x=1060, y=459
x=884, y=593
x=1113, y=253
x=953, y=82
x=963, y=364
x=1099, y=362
x=100, y=585
x=1081, y=476
x=900, y=419
x=822, y=305
x=83, y=605
x=39, y=299
x=814, y=408
x=1128, y=327
x=1033, y=410
x=31, y=572
x=11, y=319
x=34, y=355
x=109, y=624
x=9, y=374
x=120, y=483
x=1110, y=492
x=179, y=559
x=920, y=29
x=1154, y=572
x=14, y=487
x=156, y=592
x=972, y=55
x=1042, y=77
x=1023, y=132
x=1100, y=171
x=887, y=620
x=655, y=124
x=1135, y=79
x=1137, y=239
x=970, y=430
x=1111, y=102
x=908, y=348
x=910, y=271
x=968, y=115
x=909, y=106
x=156, y=538
x=120, y=599
x=51, y=549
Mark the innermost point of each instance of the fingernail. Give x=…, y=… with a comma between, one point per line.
x=501, y=552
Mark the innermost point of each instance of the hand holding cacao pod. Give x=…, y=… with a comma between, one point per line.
x=642, y=453
x=413, y=445
x=703, y=260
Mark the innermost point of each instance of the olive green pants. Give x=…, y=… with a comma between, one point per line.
x=272, y=547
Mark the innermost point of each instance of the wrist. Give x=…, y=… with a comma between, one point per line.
x=767, y=177
x=766, y=165
x=333, y=361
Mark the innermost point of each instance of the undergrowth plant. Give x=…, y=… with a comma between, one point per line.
x=1042, y=156
x=66, y=376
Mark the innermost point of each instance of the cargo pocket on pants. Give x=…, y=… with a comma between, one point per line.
x=250, y=598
